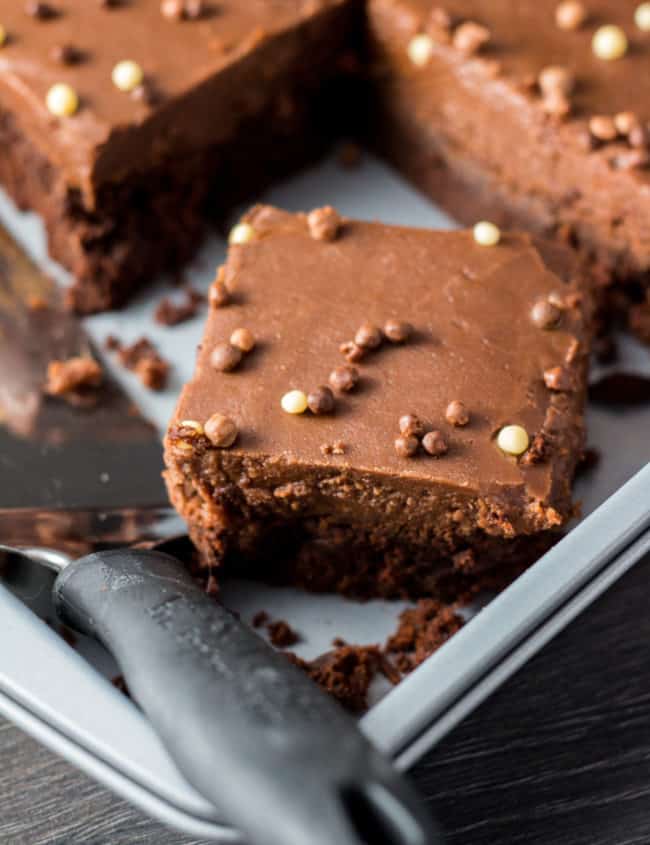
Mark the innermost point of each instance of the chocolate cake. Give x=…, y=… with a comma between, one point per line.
x=382, y=410
x=532, y=114
x=123, y=123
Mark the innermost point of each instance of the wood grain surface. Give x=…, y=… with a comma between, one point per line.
x=560, y=754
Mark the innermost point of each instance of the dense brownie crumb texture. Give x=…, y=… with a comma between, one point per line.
x=124, y=123
x=379, y=410
x=533, y=114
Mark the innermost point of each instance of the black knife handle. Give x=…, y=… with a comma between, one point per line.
x=250, y=731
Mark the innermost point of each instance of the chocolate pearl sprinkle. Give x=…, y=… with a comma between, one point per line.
x=221, y=431
x=225, y=357
x=434, y=443
x=406, y=447
x=603, y=128
x=243, y=339
x=397, y=331
x=411, y=424
x=456, y=413
x=368, y=336
x=344, y=378
x=66, y=54
x=41, y=11
x=545, y=315
x=352, y=352
x=321, y=400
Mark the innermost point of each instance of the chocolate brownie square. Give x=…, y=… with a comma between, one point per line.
x=124, y=124
x=382, y=410
x=533, y=114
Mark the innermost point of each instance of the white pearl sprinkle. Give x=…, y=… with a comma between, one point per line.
x=294, y=402
x=487, y=234
x=62, y=100
x=420, y=49
x=609, y=43
x=642, y=17
x=513, y=439
x=127, y=75
x=242, y=233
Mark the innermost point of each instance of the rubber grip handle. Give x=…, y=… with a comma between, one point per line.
x=249, y=730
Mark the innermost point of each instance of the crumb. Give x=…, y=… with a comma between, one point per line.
x=143, y=359
x=260, y=619
x=282, y=634
x=171, y=313
x=212, y=585
x=346, y=673
x=421, y=631
x=73, y=378
x=589, y=459
x=349, y=155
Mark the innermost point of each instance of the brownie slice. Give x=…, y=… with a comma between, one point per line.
x=533, y=114
x=232, y=95
x=344, y=424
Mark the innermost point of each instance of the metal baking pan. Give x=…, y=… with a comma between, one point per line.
x=62, y=696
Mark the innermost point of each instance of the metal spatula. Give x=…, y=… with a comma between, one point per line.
x=247, y=729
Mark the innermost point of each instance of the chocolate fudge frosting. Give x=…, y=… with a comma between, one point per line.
x=202, y=75
x=475, y=342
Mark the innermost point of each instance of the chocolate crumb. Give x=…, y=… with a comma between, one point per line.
x=536, y=452
x=144, y=360
x=66, y=54
x=558, y=378
x=336, y=448
x=41, y=11
x=346, y=673
x=72, y=376
x=421, y=631
x=170, y=313
x=589, y=459
x=282, y=634
x=260, y=619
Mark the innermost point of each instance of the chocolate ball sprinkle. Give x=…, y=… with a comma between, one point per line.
x=344, y=378
x=397, y=331
x=411, y=424
x=324, y=223
x=434, y=443
x=368, y=336
x=352, y=352
x=66, y=54
x=570, y=15
x=456, y=413
x=406, y=447
x=225, y=357
x=545, y=315
x=321, y=400
x=243, y=339
x=221, y=431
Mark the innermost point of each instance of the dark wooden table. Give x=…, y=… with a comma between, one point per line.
x=561, y=754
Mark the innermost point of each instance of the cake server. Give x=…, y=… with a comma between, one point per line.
x=248, y=730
